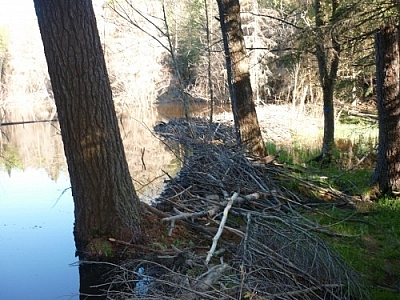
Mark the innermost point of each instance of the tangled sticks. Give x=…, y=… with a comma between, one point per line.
x=259, y=245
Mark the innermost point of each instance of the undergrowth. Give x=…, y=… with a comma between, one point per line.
x=372, y=245
x=368, y=235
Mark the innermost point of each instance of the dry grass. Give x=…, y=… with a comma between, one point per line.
x=285, y=125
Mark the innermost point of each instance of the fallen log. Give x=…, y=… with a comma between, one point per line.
x=357, y=113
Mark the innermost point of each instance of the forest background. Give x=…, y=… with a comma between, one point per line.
x=279, y=36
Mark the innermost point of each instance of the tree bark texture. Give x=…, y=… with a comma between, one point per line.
x=237, y=65
x=106, y=204
x=387, y=170
x=327, y=53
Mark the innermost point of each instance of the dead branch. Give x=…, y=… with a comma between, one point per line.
x=221, y=227
x=205, y=281
x=191, y=216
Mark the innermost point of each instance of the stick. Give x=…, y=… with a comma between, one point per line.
x=192, y=216
x=213, y=211
x=206, y=280
x=221, y=227
x=26, y=122
x=142, y=158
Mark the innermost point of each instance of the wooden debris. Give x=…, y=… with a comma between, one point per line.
x=249, y=211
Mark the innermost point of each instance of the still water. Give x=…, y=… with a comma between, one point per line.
x=37, y=245
x=37, y=250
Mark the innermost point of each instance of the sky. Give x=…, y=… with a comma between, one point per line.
x=15, y=13
x=19, y=17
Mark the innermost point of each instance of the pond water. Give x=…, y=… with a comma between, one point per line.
x=37, y=252
x=37, y=245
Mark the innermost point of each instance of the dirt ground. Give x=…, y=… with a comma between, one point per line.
x=283, y=124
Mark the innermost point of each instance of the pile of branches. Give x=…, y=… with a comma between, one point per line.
x=196, y=130
x=259, y=244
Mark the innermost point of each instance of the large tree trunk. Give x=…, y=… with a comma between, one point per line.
x=237, y=64
x=106, y=204
x=387, y=170
x=327, y=53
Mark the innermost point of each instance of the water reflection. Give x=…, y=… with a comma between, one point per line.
x=36, y=238
x=37, y=245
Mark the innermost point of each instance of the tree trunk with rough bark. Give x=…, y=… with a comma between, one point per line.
x=237, y=65
x=328, y=57
x=387, y=170
x=106, y=204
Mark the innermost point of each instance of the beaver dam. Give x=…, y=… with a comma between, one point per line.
x=234, y=229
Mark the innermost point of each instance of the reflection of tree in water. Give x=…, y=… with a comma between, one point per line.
x=39, y=145
x=9, y=158
x=91, y=280
x=145, y=153
x=34, y=146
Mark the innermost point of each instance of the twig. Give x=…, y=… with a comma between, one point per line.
x=352, y=168
x=142, y=158
x=142, y=248
x=221, y=227
x=59, y=197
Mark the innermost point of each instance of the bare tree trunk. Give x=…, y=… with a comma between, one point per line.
x=209, y=73
x=296, y=72
x=303, y=99
x=106, y=204
x=387, y=170
x=237, y=65
x=172, y=50
x=328, y=64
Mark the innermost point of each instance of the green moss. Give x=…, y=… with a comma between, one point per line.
x=100, y=248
